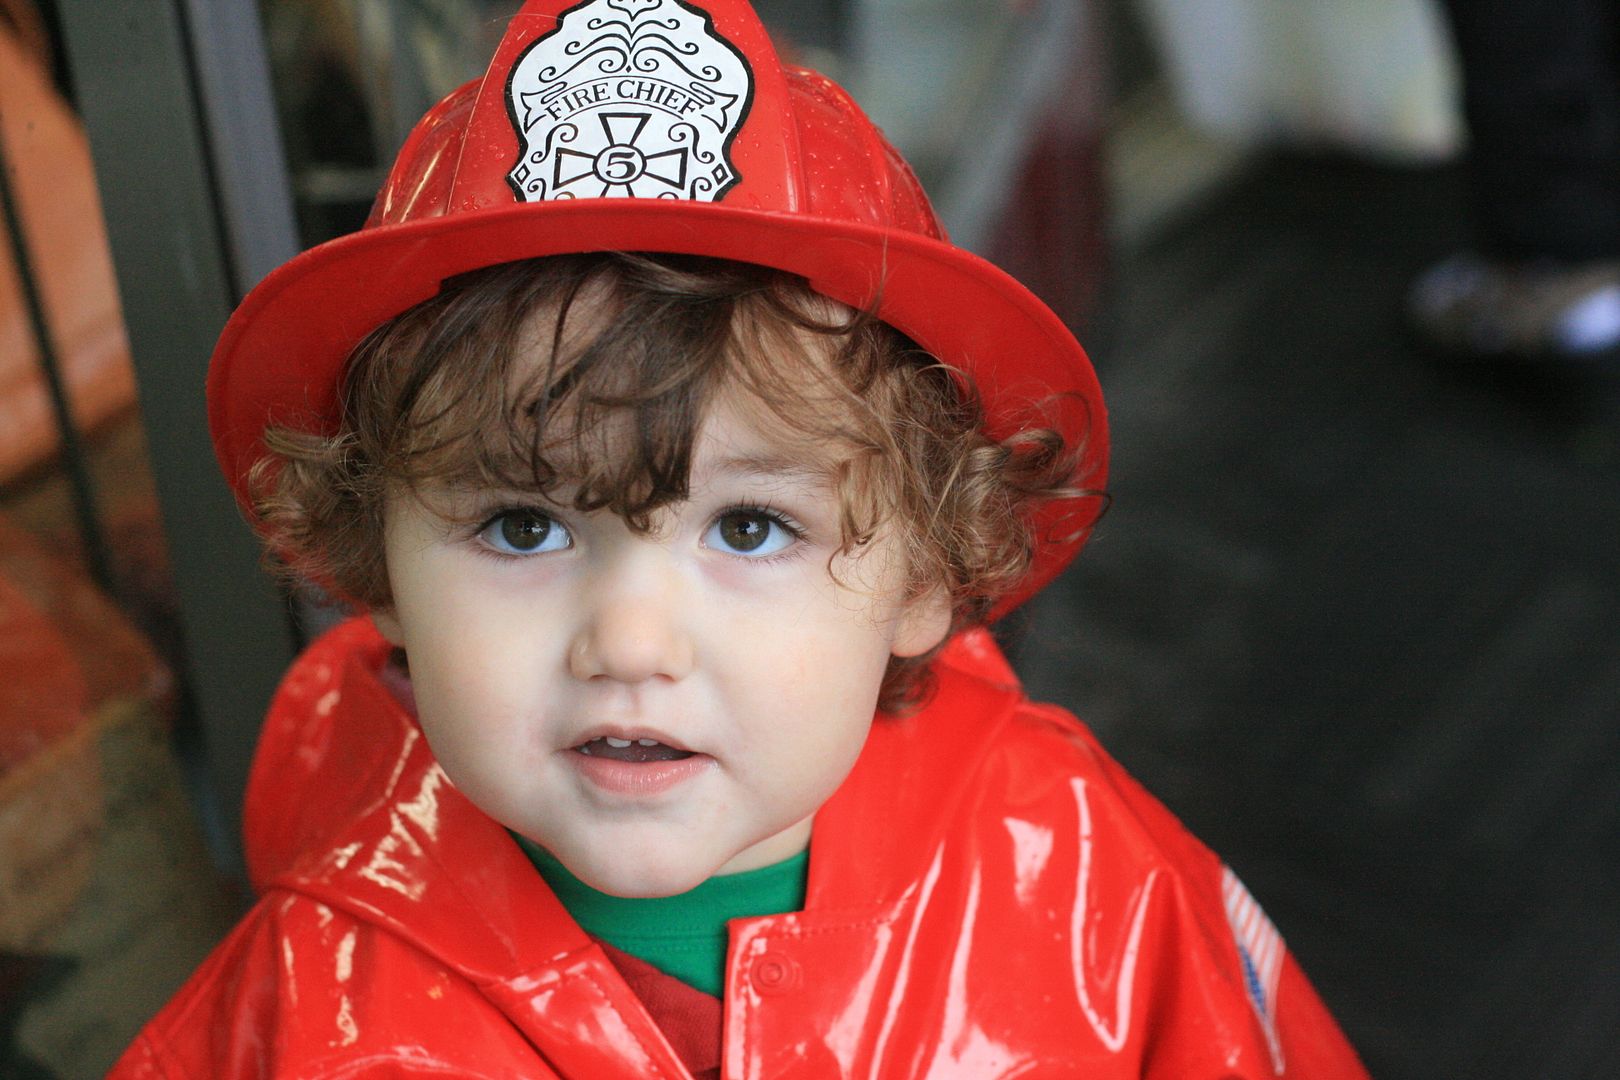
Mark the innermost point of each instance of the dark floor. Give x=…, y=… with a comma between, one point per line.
x=1356, y=617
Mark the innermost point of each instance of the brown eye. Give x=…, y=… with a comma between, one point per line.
x=524, y=532
x=743, y=531
x=750, y=532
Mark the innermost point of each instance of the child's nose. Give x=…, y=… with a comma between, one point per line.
x=635, y=630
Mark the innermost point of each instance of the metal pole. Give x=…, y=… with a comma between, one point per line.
x=172, y=152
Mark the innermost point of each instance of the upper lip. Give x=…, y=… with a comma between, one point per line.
x=632, y=733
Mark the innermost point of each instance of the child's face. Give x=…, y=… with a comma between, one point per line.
x=535, y=634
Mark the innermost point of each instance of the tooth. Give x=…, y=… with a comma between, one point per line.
x=584, y=748
x=617, y=744
x=648, y=742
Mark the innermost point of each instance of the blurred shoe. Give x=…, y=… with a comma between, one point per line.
x=1476, y=308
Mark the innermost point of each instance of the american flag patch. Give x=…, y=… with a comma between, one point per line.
x=1260, y=948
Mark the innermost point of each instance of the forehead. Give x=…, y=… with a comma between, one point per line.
x=740, y=436
x=778, y=382
x=736, y=435
x=599, y=376
x=596, y=401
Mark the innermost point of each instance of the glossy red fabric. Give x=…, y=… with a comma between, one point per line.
x=989, y=895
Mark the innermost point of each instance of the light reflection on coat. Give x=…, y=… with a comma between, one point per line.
x=989, y=896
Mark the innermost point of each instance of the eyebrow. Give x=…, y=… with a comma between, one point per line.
x=774, y=466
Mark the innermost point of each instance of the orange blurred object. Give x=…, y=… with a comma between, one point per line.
x=53, y=183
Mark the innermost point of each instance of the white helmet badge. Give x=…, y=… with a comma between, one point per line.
x=628, y=99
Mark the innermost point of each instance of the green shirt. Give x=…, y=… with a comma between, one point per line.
x=683, y=935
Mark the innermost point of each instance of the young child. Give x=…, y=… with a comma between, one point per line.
x=678, y=461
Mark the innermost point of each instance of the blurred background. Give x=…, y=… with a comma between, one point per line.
x=1352, y=614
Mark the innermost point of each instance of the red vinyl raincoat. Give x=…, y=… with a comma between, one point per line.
x=989, y=896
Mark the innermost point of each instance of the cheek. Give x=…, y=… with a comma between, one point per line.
x=472, y=637
x=477, y=694
x=485, y=740
x=837, y=668
x=817, y=697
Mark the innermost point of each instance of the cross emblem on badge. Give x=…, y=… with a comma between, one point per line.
x=620, y=164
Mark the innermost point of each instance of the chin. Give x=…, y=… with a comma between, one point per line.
x=643, y=882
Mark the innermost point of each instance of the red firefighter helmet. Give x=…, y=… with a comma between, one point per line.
x=659, y=126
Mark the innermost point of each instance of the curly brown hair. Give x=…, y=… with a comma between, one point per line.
x=466, y=388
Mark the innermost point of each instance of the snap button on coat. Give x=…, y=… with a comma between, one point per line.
x=775, y=974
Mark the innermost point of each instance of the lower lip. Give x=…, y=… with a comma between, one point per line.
x=638, y=779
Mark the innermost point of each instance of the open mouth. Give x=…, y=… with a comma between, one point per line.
x=632, y=750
